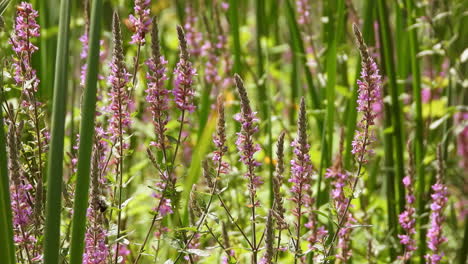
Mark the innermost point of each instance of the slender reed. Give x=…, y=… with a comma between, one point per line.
x=86, y=139
x=55, y=166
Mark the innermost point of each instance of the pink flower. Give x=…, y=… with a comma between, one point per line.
x=194, y=38
x=184, y=77
x=369, y=94
x=339, y=180
x=26, y=28
x=434, y=235
x=141, y=21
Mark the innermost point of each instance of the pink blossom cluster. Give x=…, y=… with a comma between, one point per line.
x=435, y=237
x=118, y=79
x=369, y=93
x=246, y=146
x=26, y=28
x=183, y=90
x=96, y=250
x=194, y=37
x=303, y=10
x=407, y=221
x=339, y=180
x=157, y=96
x=301, y=175
x=141, y=21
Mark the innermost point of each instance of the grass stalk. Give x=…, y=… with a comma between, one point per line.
x=396, y=114
x=296, y=35
x=419, y=135
x=7, y=248
x=86, y=138
x=234, y=25
x=55, y=165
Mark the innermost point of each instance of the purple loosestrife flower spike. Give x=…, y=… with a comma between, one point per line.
x=301, y=175
x=24, y=223
x=407, y=218
x=339, y=180
x=26, y=28
x=141, y=21
x=269, y=239
x=184, y=76
x=435, y=238
x=96, y=248
x=301, y=166
x=278, y=179
x=219, y=139
x=156, y=94
x=369, y=88
x=118, y=79
x=245, y=144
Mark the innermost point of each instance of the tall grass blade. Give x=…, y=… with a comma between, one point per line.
x=396, y=114
x=86, y=137
x=331, y=67
x=234, y=26
x=55, y=166
x=3, y=6
x=419, y=136
x=7, y=248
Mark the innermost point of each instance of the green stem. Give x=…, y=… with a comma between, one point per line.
x=7, y=248
x=55, y=166
x=86, y=138
x=396, y=114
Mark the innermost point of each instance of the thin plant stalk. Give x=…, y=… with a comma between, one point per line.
x=7, y=248
x=390, y=72
x=419, y=136
x=86, y=138
x=55, y=166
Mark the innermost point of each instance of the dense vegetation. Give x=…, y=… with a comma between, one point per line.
x=211, y=131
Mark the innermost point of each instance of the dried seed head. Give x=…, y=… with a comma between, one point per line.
x=269, y=238
x=155, y=44
x=361, y=44
x=182, y=43
x=207, y=174
x=13, y=164
x=220, y=138
x=302, y=124
x=440, y=164
x=194, y=206
x=278, y=182
x=338, y=165
x=118, y=56
x=245, y=102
